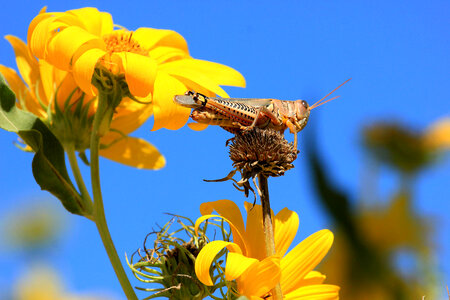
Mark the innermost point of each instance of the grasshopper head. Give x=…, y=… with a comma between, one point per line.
x=301, y=116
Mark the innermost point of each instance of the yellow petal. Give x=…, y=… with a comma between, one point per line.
x=168, y=114
x=227, y=209
x=255, y=231
x=260, y=277
x=64, y=20
x=237, y=264
x=314, y=292
x=313, y=277
x=132, y=152
x=220, y=74
x=230, y=212
x=107, y=25
x=188, y=75
x=22, y=92
x=15, y=83
x=197, y=126
x=140, y=72
x=150, y=38
x=38, y=33
x=304, y=258
x=51, y=78
x=83, y=69
x=206, y=257
x=237, y=235
x=285, y=228
x=27, y=65
x=95, y=22
x=44, y=31
x=163, y=54
x=63, y=46
x=128, y=121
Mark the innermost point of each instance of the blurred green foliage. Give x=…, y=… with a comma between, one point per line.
x=370, y=238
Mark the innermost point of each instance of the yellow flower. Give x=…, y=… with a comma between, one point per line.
x=44, y=84
x=255, y=274
x=155, y=62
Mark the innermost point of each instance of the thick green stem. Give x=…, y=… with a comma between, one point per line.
x=268, y=228
x=87, y=201
x=102, y=116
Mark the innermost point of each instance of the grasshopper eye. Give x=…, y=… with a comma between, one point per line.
x=305, y=104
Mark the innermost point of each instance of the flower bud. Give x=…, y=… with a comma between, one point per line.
x=171, y=264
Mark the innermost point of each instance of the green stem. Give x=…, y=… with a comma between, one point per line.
x=87, y=201
x=103, y=115
x=268, y=228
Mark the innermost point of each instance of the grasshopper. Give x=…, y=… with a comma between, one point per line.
x=241, y=114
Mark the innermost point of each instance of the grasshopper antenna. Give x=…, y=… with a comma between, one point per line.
x=319, y=103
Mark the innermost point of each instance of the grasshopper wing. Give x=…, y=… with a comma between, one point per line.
x=188, y=101
x=255, y=102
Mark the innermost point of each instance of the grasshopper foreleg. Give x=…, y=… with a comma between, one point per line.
x=295, y=140
x=293, y=129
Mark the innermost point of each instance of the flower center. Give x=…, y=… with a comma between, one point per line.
x=122, y=41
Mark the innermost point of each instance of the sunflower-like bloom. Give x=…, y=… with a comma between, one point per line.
x=156, y=63
x=246, y=263
x=45, y=90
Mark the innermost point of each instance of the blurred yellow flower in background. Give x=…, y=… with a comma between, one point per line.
x=406, y=149
x=32, y=227
x=43, y=283
x=156, y=63
x=437, y=136
x=246, y=263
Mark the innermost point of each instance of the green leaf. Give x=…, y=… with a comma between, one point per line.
x=49, y=167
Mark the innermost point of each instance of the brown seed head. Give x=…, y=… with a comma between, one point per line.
x=262, y=151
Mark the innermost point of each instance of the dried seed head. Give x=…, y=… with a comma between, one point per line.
x=258, y=152
x=262, y=151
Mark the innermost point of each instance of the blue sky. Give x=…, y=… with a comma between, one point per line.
x=396, y=52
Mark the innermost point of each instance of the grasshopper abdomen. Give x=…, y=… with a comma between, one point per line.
x=220, y=111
